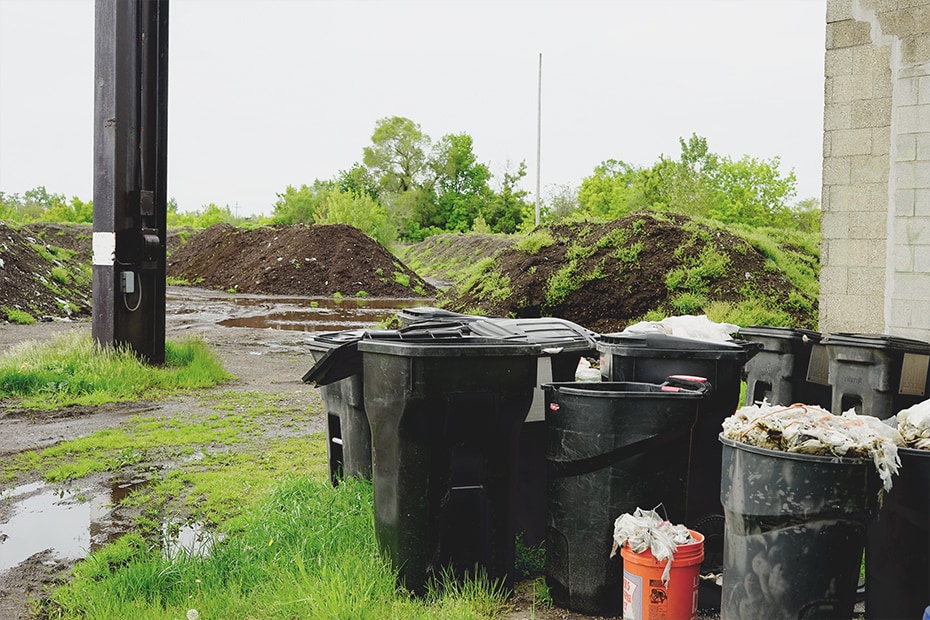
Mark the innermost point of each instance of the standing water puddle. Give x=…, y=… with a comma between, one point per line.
x=70, y=525
x=291, y=313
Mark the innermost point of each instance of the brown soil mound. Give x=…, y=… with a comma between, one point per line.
x=294, y=260
x=606, y=276
x=445, y=256
x=41, y=279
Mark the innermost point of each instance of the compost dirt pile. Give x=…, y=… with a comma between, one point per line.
x=606, y=275
x=294, y=260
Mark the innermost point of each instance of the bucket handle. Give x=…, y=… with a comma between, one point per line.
x=580, y=467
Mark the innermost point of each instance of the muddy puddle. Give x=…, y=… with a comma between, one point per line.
x=69, y=525
x=307, y=314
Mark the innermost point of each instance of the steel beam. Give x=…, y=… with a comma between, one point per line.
x=130, y=175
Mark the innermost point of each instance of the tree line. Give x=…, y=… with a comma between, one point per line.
x=408, y=187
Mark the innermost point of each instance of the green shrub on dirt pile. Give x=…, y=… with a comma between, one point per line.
x=647, y=265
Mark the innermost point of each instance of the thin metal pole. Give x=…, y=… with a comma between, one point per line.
x=538, y=136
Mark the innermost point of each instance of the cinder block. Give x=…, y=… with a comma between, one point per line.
x=915, y=49
x=850, y=142
x=838, y=10
x=834, y=224
x=837, y=116
x=912, y=174
x=914, y=286
x=851, y=87
x=922, y=202
x=838, y=62
x=921, y=263
x=848, y=33
x=912, y=231
x=867, y=225
x=922, y=141
x=903, y=258
x=905, y=146
x=870, y=169
x=905, y=201
x=833, y=281
x=871, y=60
x=871, y=112
x=907, y=91
x=836, y=170
x=881, y=140
x=923, y=88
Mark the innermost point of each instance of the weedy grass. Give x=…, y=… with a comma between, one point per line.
x=306, y=550
x=71, y=370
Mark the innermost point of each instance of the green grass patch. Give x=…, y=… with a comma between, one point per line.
x=19, y=317
x=535, y=241
x=305, y=550
x=72, y=370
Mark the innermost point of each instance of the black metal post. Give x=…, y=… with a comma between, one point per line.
x=130, y=175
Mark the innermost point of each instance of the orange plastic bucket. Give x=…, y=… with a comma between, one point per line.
x=646, y=597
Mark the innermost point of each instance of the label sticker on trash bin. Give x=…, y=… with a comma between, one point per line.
x=632, y=601
x=914, y=374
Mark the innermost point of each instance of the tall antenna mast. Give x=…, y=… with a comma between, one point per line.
x=538, y=136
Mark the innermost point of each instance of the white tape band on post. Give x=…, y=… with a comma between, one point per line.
x=104, y=248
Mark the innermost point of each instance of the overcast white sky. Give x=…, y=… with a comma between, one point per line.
x=269, y=93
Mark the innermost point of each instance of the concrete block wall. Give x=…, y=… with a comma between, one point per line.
x=875, y=255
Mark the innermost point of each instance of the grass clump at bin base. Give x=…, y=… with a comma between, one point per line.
x=71, y=370
x=307, y=550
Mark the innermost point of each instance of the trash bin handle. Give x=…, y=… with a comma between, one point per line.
x=580, y=467
x=675, y=383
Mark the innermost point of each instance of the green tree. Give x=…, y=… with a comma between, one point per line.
x=296, y=205
x=358, y=210
x=507, y=209
x=397, y=157
x=615, y=189
x=461, y=184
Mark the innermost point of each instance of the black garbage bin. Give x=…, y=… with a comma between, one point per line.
x=795, y=532
x=563, y=345
x=876, y=374
x=792, y=367
x=612, y=447
x=337, y=370
x=348, y=436
x=445, y=419
x=651, y=357
x=897, y=553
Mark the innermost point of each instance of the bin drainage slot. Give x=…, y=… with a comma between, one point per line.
x=470, y=487
x=337, y=441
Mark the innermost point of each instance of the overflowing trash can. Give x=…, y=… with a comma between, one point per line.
x=792, y=367
x=611, y=447
x=651, y=357
x=795, y=532
x=445, y=420
x=800, y=486
x=877, y=375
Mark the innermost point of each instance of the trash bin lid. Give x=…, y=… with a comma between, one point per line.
x=657, y=344
x=786, y=333
x=341, y=358
x=878, y=341
x=549, y=332
x=428, y=313
x=464, y=346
